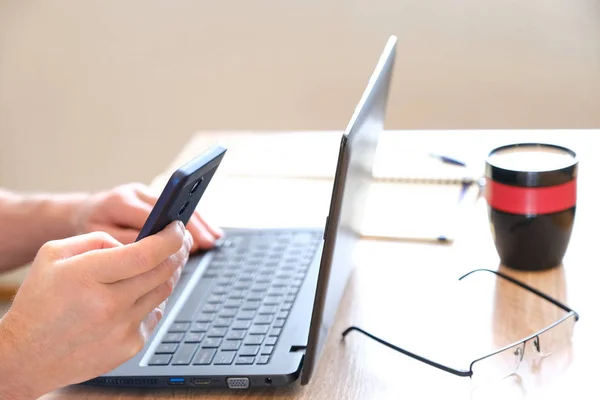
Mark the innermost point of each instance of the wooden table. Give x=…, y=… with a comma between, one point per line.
x=401, y=291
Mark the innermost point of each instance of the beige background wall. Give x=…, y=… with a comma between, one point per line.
x=94, y=93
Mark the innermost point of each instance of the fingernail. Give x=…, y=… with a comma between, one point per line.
x=181, y=226
x=188, y=238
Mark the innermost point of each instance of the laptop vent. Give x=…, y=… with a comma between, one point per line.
x=123, y=381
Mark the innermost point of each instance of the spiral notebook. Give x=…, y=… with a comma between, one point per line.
x=313, y=155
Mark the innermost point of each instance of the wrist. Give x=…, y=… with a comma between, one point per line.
x=59, y=214
x=14, y=379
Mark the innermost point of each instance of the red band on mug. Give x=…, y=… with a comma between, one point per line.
x=531, y=200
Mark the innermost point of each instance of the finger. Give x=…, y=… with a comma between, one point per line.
x=216, y=231
x=150, y=322
x=202, y=238
x=124, y=262
x=145, y=194
x=138, y=286
x=123, y=235
x=154, y=298
x=132, y=213
x=73, y=246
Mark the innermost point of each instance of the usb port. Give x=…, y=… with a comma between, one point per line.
x=176, y=381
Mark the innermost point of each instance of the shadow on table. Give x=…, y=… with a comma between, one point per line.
x=99, y=393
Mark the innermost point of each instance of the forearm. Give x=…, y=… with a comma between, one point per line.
x=27, y=222
x=15, y=380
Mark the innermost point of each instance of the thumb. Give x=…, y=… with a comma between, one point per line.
x=70, y=247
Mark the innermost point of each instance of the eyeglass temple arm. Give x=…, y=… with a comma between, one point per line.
x=459, y=372
x=526, y=287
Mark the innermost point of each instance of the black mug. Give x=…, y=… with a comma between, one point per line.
x=531, y=191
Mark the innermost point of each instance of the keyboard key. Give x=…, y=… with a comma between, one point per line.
x=190, y=306
x=251, y=305
x=205, y=317
x=254, y=339
x=204, y=356
x=278, y=323
x=200, y=327
x=211, y=308
x=179, y=327
x=244, y=360
x=249, y=350
x=241, y=324
x=276, y=291
x=160, y=359
x=242, y=286
x=236, y=334
x=283, y=314
x=166, y=348
x=263, y=319
x=221, y=290
x=262, y=360
x=246, y=315
x=224, y=358
x=271, y=340
x=227, y=313
x=184, y=355
x=232, y=303
x=194, y=337
x=259, y=329
x=275, y=332
x=215, y=298
x=223, y=322
x=259, y=287
x=286, y=307
x=216, y=332
x=173, y=338
x=211, y=342
x=245, y=277
x=268, y=310
x=237, y=294
x=267, y=350
x=255, y=296
x=273, y=300
x=289, y=298
x=224, y=282
x=231, y=345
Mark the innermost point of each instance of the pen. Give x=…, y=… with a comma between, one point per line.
x=448, y=160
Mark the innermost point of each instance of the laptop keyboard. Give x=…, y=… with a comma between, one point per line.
x=238, y=310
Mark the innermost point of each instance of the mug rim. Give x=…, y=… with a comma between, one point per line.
x=575, y=159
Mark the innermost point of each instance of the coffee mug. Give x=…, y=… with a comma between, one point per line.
x=531, y=192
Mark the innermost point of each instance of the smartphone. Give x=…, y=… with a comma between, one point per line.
x=183, y=191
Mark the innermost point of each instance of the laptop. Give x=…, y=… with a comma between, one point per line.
x=256, y=310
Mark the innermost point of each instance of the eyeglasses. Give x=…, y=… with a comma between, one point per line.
x=505, y=361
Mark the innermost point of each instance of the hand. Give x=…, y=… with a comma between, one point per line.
x=88, y=304
x=122, y=212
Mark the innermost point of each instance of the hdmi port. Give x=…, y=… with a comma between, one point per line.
x=200, y=381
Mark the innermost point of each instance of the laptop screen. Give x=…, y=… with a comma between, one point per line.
x=352, y=179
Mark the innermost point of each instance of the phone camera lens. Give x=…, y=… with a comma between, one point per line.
x=196, y=186
x=182, y=209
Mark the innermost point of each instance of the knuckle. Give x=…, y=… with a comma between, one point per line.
x=102, y=236
x=50, y=249
x=169, y=286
